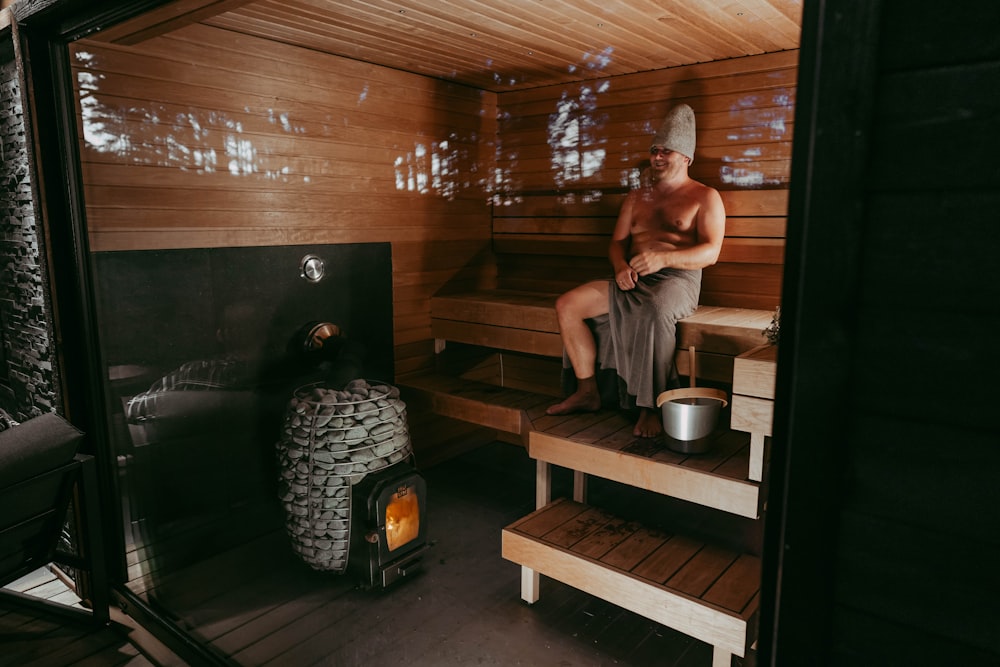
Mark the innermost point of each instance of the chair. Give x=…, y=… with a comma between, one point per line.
x=41, y=472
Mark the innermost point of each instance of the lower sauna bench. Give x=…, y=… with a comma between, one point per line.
x=706, y=592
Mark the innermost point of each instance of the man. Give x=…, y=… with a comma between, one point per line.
x=667, y=231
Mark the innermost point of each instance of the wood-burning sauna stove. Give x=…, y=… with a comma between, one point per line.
x=388, y=525
x=354, y=500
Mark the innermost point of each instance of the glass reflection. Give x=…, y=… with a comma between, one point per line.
x=204, y=350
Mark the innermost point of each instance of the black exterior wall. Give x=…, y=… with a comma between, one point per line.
x=881, y=537
x=28, y=385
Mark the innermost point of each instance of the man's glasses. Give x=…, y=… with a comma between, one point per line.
x=657, y=150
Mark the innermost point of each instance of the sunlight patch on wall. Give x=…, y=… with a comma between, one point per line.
x=764, y=119
x=199, y=142
x=633, y=178
x=443, y=169
x=102, y=130
x=248, y=144
x=576, y=136
x=585, y=197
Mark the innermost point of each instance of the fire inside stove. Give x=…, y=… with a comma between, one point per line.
x=390, y=528
x=402, y=517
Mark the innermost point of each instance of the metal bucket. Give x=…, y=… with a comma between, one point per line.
x=691, y=413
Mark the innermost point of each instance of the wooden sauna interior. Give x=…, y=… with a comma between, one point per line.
x=488, y=144
x=219, y=124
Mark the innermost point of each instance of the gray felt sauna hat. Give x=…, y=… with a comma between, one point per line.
x=677, y=131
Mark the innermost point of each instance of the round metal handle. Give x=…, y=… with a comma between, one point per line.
x=312, y=268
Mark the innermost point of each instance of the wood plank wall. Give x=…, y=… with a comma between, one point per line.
x=567, y=153
x=547, y=243
x=744, y=109
x=205, y=138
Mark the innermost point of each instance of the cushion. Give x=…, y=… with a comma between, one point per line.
x=39, y=444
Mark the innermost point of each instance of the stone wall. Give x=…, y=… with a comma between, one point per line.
x=27, y=376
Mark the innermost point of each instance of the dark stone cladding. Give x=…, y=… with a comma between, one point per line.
x=28, y=384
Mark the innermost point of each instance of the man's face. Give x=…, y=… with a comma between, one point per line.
x=665, y=160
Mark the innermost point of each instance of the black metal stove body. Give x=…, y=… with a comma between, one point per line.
x=388, y=525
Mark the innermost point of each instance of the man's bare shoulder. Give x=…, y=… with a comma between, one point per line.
x=702, y=192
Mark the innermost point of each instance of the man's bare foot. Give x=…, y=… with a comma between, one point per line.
x=579, y=401
x=649, y=424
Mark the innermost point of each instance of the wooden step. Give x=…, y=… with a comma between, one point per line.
x=599, y=443
x=705, y=591
x=479, y=403
x=723, y=330
x=602, y=444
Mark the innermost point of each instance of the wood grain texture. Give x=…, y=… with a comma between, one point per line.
x=203, y=137
x=754, y=372
x=621, y=457
x=677, y=580
x=206, y=138
x=527, y=44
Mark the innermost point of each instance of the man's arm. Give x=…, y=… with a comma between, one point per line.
x=710, y=221
x=618, y=248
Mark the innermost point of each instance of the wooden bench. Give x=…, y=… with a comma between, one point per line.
x=704, y=590
x=753, y=400
x=545, y=244
x=700, y=587
x=525, y=322
x=501, y=357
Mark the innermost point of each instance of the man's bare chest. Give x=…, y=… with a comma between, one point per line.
x=665, y=215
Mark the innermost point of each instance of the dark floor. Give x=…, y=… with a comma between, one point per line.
x=261, y=606
x=29, y=638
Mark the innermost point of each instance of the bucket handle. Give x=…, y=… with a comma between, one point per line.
x=692, y=392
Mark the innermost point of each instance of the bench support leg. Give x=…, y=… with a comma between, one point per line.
x=756, y=456
x=543, y=496
x=543, y=484
x=579, y=486
x=721, y=657
x=530, y=582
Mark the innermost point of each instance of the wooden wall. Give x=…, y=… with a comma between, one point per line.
x=204, y=138
x=744, y=109
x=207, y=138
x=568, y=153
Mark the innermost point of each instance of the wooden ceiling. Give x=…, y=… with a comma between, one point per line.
x=499, y=45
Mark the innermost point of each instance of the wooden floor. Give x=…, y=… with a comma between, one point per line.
x=260, y=606
x=32, y=639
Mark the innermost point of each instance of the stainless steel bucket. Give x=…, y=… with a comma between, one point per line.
x=691, y=413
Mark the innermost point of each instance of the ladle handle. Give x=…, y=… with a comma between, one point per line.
x=694, y=365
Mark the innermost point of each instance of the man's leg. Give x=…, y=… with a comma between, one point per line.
x=573, y=308
x=665, y=297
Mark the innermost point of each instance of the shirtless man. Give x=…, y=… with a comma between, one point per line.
x=670, y=229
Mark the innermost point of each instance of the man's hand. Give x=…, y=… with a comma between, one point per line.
x=647, y=262
x=625, y=278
